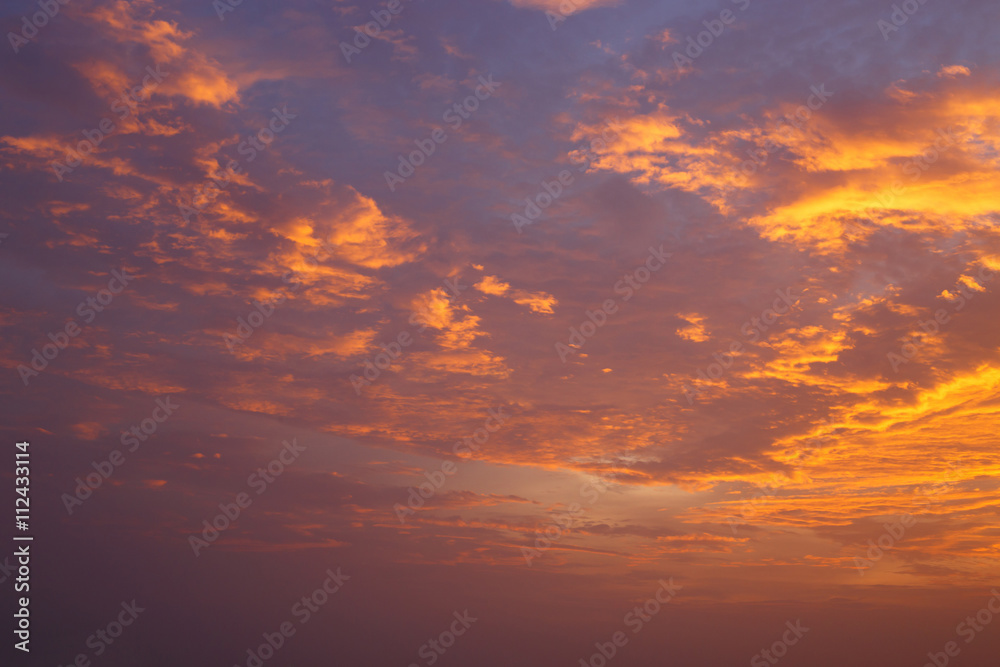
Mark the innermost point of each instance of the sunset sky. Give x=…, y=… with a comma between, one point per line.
x=533, y=312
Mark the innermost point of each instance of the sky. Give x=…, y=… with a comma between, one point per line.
x=536, y=332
